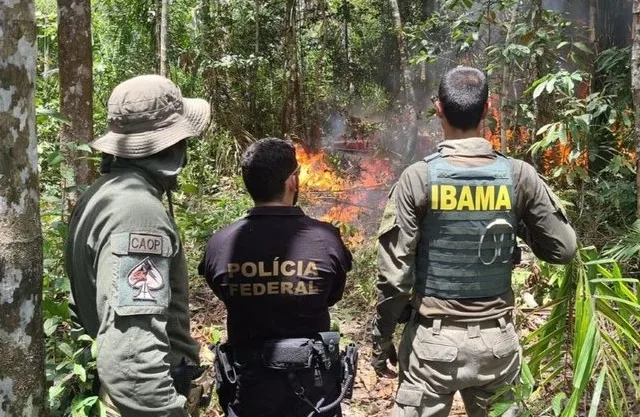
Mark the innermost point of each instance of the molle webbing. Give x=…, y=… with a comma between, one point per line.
x=468, y=233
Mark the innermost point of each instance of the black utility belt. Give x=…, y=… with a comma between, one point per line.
x=292, y=353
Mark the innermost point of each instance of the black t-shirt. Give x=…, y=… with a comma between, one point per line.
x=277, y=271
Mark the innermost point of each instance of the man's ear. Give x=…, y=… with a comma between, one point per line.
x=290, y=183
x=487, y=106
x=438, y=106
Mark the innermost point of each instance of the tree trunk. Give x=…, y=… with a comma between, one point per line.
x=254, y=86
x=635, y=82
x=22, y=381
x=504, y=88
x=164, y=36
x=536, y=73
x=76, y=90
x=346, y=16
x=407, y=85
x=593, y=13
x=292, y=109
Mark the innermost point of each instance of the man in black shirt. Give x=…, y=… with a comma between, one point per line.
x=278, y=271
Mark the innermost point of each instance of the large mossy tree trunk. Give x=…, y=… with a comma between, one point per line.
x=407, y=85
x=22, y=381
x=635, y=82
x=76, y=91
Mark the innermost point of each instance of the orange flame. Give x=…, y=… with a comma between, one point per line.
x=340, y=197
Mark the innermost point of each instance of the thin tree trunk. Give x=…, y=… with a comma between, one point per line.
x=292, y=111
x=316, y=129
x=536, y=73
x=76, y=90
x=407, y=84
x=22, y=354
x=256, y=72
x=635, y=82
x=504, y=87
x=593, y=13
x=346, y=15
x=164, y=36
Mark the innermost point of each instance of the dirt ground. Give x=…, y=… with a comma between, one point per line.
x=372, y=397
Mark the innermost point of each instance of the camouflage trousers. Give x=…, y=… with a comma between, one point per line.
x=438, y=357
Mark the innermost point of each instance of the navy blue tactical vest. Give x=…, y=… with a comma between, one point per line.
x=468, y=232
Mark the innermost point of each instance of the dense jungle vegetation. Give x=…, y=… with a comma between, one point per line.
x=351, y=81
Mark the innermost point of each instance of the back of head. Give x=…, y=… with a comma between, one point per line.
x=266, y=165
x=463, y=93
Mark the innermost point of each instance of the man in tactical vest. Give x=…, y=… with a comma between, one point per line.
x=278, y=271
x=446, y=249
x=129, y=281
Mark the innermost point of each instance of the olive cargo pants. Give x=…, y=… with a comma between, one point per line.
x=439, y=357
x=198, y=389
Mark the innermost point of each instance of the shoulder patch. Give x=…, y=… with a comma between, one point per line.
x=145, y=279
x=145, y=243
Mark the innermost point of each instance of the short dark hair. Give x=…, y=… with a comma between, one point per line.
x=266, y=165
x=463, y=93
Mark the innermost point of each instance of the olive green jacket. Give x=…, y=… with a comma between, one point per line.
x=129, y=287
x=543, y=225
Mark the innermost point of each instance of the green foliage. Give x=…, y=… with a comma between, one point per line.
x=590, y=335
x=361, y=280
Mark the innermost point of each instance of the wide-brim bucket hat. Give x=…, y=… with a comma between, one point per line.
x=147, y=114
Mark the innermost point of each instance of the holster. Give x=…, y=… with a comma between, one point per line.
x=225, y=374
x=349, y=369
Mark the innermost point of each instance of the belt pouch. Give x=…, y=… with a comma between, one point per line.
x=288, y=354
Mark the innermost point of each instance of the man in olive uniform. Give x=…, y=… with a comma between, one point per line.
x=278, y=271
x=446, y=248
x=124, y=258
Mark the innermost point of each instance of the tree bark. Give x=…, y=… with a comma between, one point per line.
x=504, y=88
x=76, y=90
x=635, y=82
x=22, y=381
x=164, y=36
x=593, y=13
x=292, y=109
x=536, y=73
x=407, y=85
x=253, y=87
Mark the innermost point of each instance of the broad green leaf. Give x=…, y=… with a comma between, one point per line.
x=55, y=391
x=80, y=371
x=85, y=338
x=66, y=349
x=550, y=84
x=543, y=129
x=581, y=46
x=50, y=325
x=84, y=147
x=499, y=409
x=539, y=89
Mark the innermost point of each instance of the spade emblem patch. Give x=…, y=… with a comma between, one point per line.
x=145, y=279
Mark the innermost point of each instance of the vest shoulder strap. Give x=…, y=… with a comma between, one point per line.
x=432, y=157
x=502, y=155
